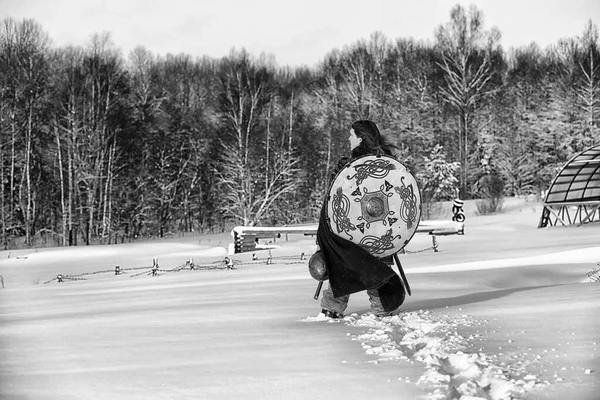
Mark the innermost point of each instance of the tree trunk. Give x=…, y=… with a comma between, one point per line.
x=2, y=204
x=13, y=157
x=291, y=122
x=63, y=210
x=268, y=145
x=28, y=217
x=589, y=97
x=71, y=186
x=107, y=196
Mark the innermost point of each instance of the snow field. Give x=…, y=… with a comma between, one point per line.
x=504, y=312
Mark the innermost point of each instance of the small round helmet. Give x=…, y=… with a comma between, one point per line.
x=317, y=267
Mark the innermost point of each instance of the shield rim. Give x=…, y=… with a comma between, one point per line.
x=328, y=197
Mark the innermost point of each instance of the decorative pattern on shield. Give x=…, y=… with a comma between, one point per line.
x=371, y=169
x=340, y=207
x=408, y=212
x=375, y=202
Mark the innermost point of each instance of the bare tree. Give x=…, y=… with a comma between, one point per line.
x=249, y=185
x=466, y=50
x=588, y=92
x=329, y=113
x=363, y=76
x=25, y=48
x=88, y=84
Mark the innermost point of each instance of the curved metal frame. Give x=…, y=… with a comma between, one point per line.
x=586, y=209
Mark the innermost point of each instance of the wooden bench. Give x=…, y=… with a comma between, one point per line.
x=245, y=238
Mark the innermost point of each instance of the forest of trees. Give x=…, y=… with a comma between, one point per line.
x=101, y=147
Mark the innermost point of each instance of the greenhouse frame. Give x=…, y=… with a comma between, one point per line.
x=573, y=197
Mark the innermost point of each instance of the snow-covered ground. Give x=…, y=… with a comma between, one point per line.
x=505, y=311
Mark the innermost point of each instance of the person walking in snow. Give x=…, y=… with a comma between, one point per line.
x=345, y=260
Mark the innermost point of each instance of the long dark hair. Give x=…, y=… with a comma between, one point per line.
x=372, y=141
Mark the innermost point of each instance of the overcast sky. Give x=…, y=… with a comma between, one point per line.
x=296, y=32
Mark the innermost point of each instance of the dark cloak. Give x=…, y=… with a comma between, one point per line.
x=352, y=269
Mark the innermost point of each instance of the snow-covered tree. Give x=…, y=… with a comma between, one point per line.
x=438, y=178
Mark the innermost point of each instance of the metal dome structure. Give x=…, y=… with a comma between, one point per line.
x=574, y=194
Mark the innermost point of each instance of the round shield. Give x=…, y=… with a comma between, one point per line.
x=374, y=201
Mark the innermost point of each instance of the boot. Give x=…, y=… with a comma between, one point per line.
x=332, y=314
